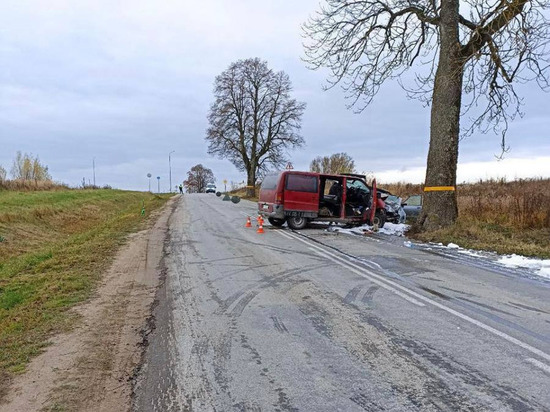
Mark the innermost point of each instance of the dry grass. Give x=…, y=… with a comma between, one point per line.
x=402, y=189
x=241, y=192
x=507, y=217
x=31, y=185
x=54, y=246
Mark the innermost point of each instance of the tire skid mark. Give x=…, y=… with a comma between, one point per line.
x=317, y=316
x=283, y=401
x=492, y=308
x=253, y=352
x=268, y=281
x=365, y=403
x=419, y=352
x=352, y=294
x=243, y=303
x=369, y=295
x=279, y=325
x=475, y=306
x=246, y=406
x=530, y=308
x=222, y=354
x=448, y=383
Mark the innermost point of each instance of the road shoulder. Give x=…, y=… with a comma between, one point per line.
x=92, y=367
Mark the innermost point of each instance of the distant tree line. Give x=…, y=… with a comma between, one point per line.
x=336, y=163
x=26, y=167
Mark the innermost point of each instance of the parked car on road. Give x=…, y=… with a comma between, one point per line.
x=300, y=197
x=413, y=206
x=210, y=188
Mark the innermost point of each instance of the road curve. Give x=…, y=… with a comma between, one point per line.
x=316, y=321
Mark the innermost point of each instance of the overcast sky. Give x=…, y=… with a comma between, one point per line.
x=127, y=82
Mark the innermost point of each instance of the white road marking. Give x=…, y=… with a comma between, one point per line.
x=539, y=364
x=364, y=275
x=284, y=234
x=432, y=302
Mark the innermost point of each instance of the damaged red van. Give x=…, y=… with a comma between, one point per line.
x=298, y=198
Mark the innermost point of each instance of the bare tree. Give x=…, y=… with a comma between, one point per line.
x=2, y=174
x=27, y=167
x=473, y=47
x=253, y=120
x=197, y=179
x=333, y=164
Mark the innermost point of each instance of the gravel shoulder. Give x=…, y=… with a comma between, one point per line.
x=92, y=367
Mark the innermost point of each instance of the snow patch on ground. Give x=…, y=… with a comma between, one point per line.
x=396, y=229
x=541, y=266
x=391, y=229
x=470, y=252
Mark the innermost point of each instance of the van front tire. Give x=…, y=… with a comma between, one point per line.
x=380, y=218
x=297, y=222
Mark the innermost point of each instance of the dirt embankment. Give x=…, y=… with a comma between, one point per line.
x=92, y=367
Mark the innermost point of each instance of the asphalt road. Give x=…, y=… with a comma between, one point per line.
x=319, y=321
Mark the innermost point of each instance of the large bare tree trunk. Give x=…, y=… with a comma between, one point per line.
x=440, y=206
x=251, y=183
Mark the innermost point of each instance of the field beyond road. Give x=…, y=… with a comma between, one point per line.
x=495, y=215
x=54, y=246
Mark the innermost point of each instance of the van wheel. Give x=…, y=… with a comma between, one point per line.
x=380, y=218
x=297, y=223
x=276, y=222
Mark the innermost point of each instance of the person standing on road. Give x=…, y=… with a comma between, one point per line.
x=181, y=189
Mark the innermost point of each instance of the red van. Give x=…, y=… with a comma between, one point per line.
x=300, y=197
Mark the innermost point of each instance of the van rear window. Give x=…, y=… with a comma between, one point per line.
x=301, y=183
x=270, y=182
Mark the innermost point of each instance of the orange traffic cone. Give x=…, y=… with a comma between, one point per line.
x=260, y=227
x=248, y=222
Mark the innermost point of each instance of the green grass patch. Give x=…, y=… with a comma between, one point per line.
x=503, y=239
x=55, y=247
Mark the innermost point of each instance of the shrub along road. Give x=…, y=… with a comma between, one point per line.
x=321, y=322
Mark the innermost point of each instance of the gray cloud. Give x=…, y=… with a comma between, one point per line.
x=127, y=82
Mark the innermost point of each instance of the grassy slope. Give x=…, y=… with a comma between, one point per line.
x=472, y=234
x=53, y=248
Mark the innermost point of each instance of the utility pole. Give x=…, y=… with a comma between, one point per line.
x=170, y=168
x=93, y=166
